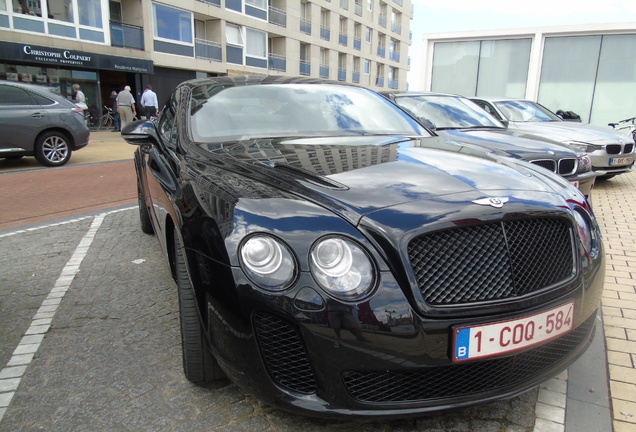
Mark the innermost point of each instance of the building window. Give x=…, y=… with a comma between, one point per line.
x=173, y=24
x=233, y=35
x=256, y=45
x=261, y=4
x=367, y=66
x=90, y=13
x=367, y=35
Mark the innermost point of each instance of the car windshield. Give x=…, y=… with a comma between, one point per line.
x=525, y=111
x=222, y=113
x=447, y=112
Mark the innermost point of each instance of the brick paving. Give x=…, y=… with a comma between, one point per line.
x=37, y=194
x=614, y=203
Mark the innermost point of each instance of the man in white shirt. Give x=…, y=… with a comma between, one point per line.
x=149, y=101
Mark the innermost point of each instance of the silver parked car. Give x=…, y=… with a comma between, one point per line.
x=37, y=122
x=611, y=152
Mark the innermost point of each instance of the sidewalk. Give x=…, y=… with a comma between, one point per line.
x=614, y=202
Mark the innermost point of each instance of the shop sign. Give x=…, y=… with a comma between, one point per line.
x=72, y=58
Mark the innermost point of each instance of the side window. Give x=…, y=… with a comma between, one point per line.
x=10, y=95
x=42, y=100
x=166, y=125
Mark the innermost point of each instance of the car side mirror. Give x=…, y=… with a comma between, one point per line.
x=428, y=124
x=505, y=122
x=140, y=132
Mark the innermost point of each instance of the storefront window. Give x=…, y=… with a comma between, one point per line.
x=58, y=80
x=90, y=13
x=173, y=24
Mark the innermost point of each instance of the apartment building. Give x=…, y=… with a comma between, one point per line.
x=105, y=45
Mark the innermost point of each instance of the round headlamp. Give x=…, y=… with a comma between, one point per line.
x=341, y=267
x=268, y=262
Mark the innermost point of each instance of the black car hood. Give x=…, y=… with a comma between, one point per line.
x=354, y=176
x=507, y=142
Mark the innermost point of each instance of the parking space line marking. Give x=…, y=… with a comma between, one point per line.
x=11, y=374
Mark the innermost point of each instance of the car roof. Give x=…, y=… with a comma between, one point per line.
x=498, y=99
x=241, y=80
x=417, y=93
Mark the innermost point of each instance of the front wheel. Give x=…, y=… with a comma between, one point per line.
x=52, y=149
x=199, y=365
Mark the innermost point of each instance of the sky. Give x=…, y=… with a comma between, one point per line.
x=435, y=16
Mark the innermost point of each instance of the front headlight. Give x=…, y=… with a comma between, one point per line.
x=585, y=164
x=587, y=233
x=585, y=147
x=341, y=267
x=268, y=262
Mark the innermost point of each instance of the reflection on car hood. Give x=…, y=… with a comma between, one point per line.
x=357, y=175
x=508, y=142
x=572, y=131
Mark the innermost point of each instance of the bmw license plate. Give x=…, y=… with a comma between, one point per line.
x=620, y=161
x=473, y=342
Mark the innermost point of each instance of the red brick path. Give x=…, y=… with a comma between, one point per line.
x=40, y=195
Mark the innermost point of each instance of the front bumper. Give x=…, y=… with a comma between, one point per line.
x=378, y=358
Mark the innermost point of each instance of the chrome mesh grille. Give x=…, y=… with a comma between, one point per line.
x=492, y=261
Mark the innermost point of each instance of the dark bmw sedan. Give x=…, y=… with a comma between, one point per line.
x=459, y=118
x=335, y=259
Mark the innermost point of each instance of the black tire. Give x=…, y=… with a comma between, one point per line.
x=144, y=216
x=53, y=149
x=199, y=365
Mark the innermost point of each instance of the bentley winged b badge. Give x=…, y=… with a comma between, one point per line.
x=496, y=202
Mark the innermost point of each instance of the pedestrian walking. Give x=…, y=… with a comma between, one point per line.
x=116, y=115
x=149, y=102
x=80, y=98
x=126, y=106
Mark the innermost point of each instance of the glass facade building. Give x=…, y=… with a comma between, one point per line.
x=590, y=70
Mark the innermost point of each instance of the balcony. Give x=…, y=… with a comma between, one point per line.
x=381, y=51
x=305, y=67
x=277, y=62
x=357, y=44
x=126, y=36
x=305, y=26
x=399, y=2
x=393, y=84
x=210, y=50
x=342, y=74
x=355, y=77
x=379, y=81
x=358, y=9
x=212, y=2
x=325, y=33
x=277, y=16
x=382, y=20
x=397, y=28
x=343, y=39
x=395, y=56
x=324, y=71
x=344, y=4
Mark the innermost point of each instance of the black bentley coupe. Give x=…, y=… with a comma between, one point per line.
x=336, y=259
